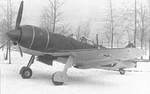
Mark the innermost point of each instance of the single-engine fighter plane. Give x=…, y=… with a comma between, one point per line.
x=48, y=46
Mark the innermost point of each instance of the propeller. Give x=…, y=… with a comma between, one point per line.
x=10, y=35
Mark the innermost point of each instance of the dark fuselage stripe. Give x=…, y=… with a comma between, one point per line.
x=33, y=37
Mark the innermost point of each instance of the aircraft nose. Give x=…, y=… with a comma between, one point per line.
x=14, y=35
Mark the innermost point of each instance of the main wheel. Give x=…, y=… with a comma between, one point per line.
x=122, y=72
x=26, y=72
x=21, y=70
x=56, y=82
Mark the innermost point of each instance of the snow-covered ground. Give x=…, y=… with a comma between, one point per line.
x=91, y=81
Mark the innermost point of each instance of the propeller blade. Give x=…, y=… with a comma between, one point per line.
x=6, y=55
x=19, y=16
x=9, y=50
x=20, y=50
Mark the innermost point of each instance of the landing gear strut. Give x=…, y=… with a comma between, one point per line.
x=122, y=71
x=25, y=71
x=58, y=78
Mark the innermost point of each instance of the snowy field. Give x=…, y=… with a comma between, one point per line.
x=91, y=81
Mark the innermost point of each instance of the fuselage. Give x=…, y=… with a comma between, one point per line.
x=35, y=38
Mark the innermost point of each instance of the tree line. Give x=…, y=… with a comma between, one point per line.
x=120, y=26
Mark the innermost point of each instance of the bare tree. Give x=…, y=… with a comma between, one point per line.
x=65, y=29
x=52, y=15
x=128, y=23
x=112, y=28
x=78, y=33
x=135, y=23
x=107, y=35
x=9, y=14
x=149, y=32
x=7, y=22
x=46, y=21
x=112, y=23
x=83, y=30
x=142, y=28
x=142, y=25
x=3, y=29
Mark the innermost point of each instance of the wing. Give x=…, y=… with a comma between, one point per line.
x=39, y=53
x=121, y=53
x=96, y=58
x=93, y=54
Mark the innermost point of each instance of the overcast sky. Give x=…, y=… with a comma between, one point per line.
x=74, y=10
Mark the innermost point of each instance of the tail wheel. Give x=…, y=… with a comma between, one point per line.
x=26, y=72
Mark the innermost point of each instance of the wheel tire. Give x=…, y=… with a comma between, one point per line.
x=122, y=72
x=21, y=70
x=56, y=82
x=26, y=73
